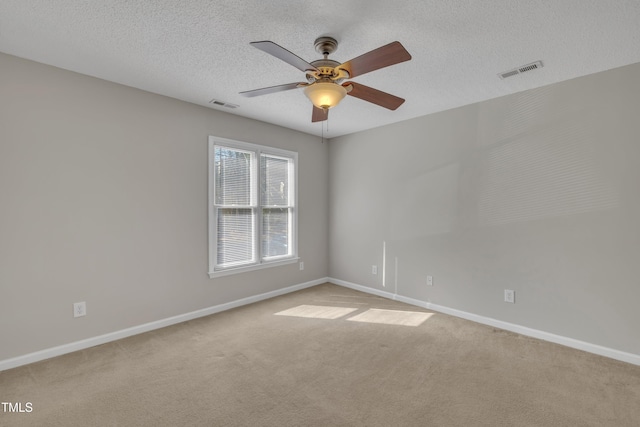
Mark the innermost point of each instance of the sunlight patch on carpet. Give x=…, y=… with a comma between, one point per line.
x=392, y=317
x=317, y=311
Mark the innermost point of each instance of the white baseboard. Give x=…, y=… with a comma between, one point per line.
x=523, y=330
x=124, y=333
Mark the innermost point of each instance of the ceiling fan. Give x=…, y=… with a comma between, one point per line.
x=325, y=85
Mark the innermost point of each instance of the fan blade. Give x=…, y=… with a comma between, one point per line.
x=281, y=53
x=390, y=54
x=272, y=89
x=374, y=96
x=319, y=115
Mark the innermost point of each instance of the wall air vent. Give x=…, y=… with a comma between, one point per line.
x=520, y=70
x=223, y=104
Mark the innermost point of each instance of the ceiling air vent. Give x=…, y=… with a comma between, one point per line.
x=223, y=104
x=520, y=70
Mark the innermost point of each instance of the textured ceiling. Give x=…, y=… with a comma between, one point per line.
x=197, y=50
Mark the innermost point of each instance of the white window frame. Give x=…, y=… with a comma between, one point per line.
x=214, y=269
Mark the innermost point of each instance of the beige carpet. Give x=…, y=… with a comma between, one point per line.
x=325, y=356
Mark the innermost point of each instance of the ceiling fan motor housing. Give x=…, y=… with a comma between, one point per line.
x=327, y=70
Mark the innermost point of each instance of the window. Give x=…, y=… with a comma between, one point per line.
x=252, y=206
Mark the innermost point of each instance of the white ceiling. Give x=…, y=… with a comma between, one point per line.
x=197, y=50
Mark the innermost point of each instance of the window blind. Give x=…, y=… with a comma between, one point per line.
x=276, y=206
x=235, y=206
x=252, y=217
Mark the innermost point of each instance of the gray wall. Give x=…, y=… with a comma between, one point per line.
x=536, y=192
x=103, y=199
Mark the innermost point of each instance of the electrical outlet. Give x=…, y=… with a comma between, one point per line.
x=509, y=296
x=429, y=280
x=301, y=265
x=79, y=309
x=374, y=269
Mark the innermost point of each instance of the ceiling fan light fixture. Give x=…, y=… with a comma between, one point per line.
x=325, y=95
x=324, y=86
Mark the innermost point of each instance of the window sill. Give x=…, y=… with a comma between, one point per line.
x=230, y=271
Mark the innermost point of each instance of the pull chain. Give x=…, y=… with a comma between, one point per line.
x=326, y=112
